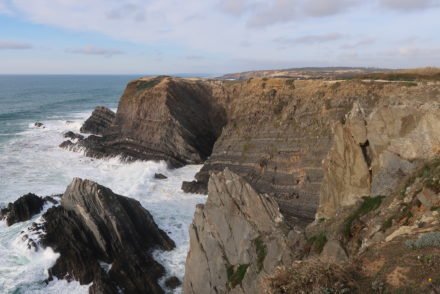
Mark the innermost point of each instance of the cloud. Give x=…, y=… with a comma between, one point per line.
x=409, y=5
x=127, y=10
x=319, y=8
x=283, y=11
x=235, y=7
x=11, y=45
x=91, y=50
x=311, y=39
x=361, y=43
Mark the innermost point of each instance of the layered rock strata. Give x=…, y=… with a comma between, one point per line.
x=274, y=132
x=100, y=120
x=236, y=239
x=106, y=239
x=161, y=119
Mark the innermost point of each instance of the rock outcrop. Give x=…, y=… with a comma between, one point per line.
x=106, y=239
x=162, y=118
x=273, y=132
x=100, y=120
x=371, y=154
x=22, y=209
x=236, y=239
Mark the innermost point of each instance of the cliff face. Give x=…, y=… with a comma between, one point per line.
x=279, y=131
x=274, y=132
x=236, y=238
x=161, y=119
x=371, y=153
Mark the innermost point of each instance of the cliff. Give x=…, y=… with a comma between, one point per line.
x=274, y=132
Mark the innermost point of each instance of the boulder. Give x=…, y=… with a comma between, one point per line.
x=22, y=209
x=73, y=136
x=333, y=252
x=94, y=226
x=194, y=187
x=159, y=176
x=100, y=120
x=39, y=124
x=173, y=282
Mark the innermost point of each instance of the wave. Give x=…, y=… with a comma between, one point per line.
x=33, y=162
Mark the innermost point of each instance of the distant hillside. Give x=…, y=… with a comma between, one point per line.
x=331, y=73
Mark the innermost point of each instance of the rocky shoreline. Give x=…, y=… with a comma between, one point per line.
x=301, y=176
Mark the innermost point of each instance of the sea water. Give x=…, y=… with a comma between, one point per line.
x=31, y=161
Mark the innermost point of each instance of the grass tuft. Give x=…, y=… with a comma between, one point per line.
x=369, y=204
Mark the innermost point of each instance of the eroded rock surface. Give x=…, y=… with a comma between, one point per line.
x=22, y=209
x=106, y=239
x=236, y=238
x=371, y=154
x=100, y=120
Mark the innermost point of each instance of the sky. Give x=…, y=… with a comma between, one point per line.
x=214, y=36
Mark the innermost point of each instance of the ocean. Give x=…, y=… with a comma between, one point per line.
x=31, y=161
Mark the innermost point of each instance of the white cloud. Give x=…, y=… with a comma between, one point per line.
x=12, y=45
x=409, y=5
x=311, y=39
x=92, y=50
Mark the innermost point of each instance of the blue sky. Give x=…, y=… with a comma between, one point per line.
x=214, y=36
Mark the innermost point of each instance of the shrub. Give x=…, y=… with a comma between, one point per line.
x=318, y=242
x=311, y=276
x=235, y=276
x=369, y=204
x=431, y=239
x=261, y=250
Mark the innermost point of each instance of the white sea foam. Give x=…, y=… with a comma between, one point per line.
x=33, y=162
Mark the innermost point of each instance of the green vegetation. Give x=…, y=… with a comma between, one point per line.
x=318, y=242
x=235, y=276
x=143, y=85
x=261, y=250
x=387, y=224
x=369, y=204
x=431, y=239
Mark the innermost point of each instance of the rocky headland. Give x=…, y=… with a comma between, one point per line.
x=302, y=176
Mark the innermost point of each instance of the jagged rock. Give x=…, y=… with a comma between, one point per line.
x=71, y=135
x=333, y=252
x=173, y=282
x=66, y=144
x=371, y=154
x=158, y=176
x=94, y=226
x=39, y=125
x=22, y=209
x=194, y=187
x=236, y=238
x=100, y=120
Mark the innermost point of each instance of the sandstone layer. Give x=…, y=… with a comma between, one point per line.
x=106, y=239
x=100, y=120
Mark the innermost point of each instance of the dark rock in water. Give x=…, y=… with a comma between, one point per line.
x=39, y=124
x=100, y=120
x=160, y=176
x=66, y=144
x=51, y=199
x=195, y=187
x=92, y=226
x=73, y=136
x=22, y=209
x=173, y=282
